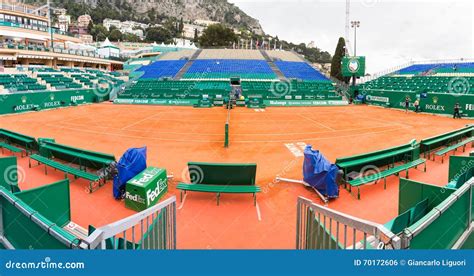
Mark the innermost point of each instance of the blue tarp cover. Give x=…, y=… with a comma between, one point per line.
x=320, y=173
x=130, y=164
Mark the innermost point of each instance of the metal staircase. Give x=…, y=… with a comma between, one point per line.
x=272, y=65
x=188, y=65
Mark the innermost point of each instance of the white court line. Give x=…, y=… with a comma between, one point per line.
x=235, y=134
x=302, y=145
x=139, y=121
x=236, y=141
x=259, y=216
x=182, y=203
x=294, y=149
x=316, y=122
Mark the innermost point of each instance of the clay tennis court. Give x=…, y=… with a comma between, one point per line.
x=273, y=138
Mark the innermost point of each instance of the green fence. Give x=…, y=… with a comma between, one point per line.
x=22, y=102
x=25, y=228
x=51, y=201
x=411, y=192
x=437, y=103
x=459, y=165
x=8, y=167
x=443, y=226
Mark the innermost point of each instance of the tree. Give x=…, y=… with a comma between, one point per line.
x=181, y=26
x=130, y=38
x=90, y=27
x=99, y=32
x=196, y=36
x=217, y=35
x=152, y=15
x=336, y=71
x=158, y=35
x=115, y=35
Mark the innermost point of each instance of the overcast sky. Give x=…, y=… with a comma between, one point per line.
x=392, y=32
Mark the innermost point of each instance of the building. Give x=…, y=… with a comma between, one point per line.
x=59, y=11
x=86, y=38
x=108, y=50
x=111, y=23
x=83, y=21
x=126, y=27
x=25, y=40
x=63, y=22
x=188, y=30
x=205, y=23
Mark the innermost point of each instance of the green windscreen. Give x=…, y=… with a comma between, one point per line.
x=51, y=201
x=9, y=171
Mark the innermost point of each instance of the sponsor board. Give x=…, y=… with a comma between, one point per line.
x=377, y=99
x=185, y=102
x=24, y=102
x=436, y=103
x=303, y=102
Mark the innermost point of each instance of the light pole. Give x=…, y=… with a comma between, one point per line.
x=50, y=26
x=355, y=25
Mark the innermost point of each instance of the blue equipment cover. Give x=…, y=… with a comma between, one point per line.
x=320, y=173
x=130, y=164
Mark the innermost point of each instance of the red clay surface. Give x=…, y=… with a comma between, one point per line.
x=176, y=135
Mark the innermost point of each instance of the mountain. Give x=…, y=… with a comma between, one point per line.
x=214, y=10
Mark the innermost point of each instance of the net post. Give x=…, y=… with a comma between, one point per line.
x=226, y=138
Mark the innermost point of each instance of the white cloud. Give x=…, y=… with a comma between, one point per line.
x=391, y=33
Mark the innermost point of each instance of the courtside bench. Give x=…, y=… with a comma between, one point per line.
x=358, y=182
x=428, y=144
x=95, y=181
x=84, y=158
x=454, y=147
x=221, y=178
x=11, y=148
x=407, y=152
x=17, y=138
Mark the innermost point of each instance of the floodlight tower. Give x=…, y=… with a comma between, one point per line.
x=348, y=19
x=355, y=25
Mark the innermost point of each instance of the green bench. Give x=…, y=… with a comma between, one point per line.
x=221, y=178
x=453, y=148
x=11, y=148
x=83, y=158
x=17, y=138
x=389, y=156
x=428, y=144
x=408, y=218
x=384, y=174
x=77, y=173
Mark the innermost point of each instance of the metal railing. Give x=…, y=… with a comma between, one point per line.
x=336, y=230
x=153, y=228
